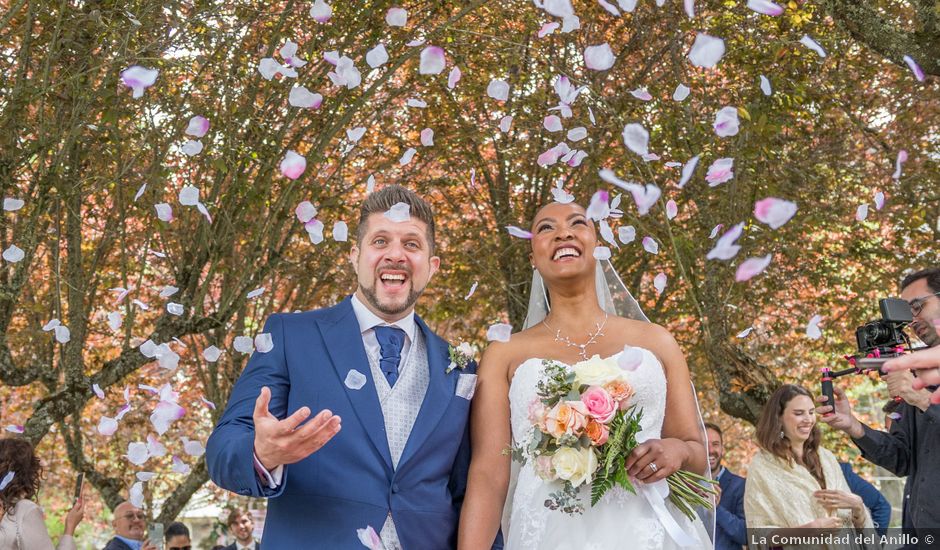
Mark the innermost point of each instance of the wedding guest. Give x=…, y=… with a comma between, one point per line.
x=22, y=526
x=792, y=481
x=130, y=529
x=177, y=537
x=242, y=527
x=878, y=506
x=730, y=527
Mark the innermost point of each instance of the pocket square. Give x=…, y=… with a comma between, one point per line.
x=355, y=380
x=466, y=385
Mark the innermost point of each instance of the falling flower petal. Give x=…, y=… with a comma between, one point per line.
x=370, y=539
x=406, y=158
x=765, y=85
x=191, y=148
x=293, y=165
x=599, y=209
x=715, y=230
x=861, y=213
x=305, y=211
x=498, y=90
x=765, y=7
x=136, y=495
x=902, y=158
x=305, y=99
x=659, y=283
x=774, y=212
x=577, y=134
x=399, y=212
x=751, y=267
x=189, y=195
x=174, y=309
x=879, y=200
x=599, y=58
x=198, y=126
x=269, y=68
x=518, y=232
x=139, y=79
x=548, y=28
x=7, y=479
x=62, y=334
x=340, y=231
x=137, y=453
x=631, y=358
x=164, y=414
x=626, y=234
x=346, y=74
x=689, y=6
x=915, y=68
x=609, y=7
x=636, y=138
x=13, y=254
x=650, y=245
x=725, y=248
x=726, y=122
x=552, y=123
x=208, y=403
x=671, y=209
x=427, y=137
x=377, y=56
x=140, y=191
x=107, y=426
x=432, y=60
x=396, y=17
x=115, y=320
x=746, y=332
x=706, y=51
x=687, y=170
x=473, y=288
x=641, y=94
x=193, y=448
x=813, y=45
x=720, y=171
x=601, y=253
x=211, y=354
x=812, y=328
x=15, y=428
x=12, y=205
x=453, y=78
x=179, y=466
x=320, y=11
x=243, y=344
x=682, y=92
x=264, y=342
x=499, y=332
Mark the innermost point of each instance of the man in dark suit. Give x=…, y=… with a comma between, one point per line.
x=130, y=529
x=242, y=527
x=730, y=529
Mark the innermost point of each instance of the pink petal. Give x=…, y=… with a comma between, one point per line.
x=370, y=539
x=599, y=208
x=198, y=126
x=518, y=232
x=765, y=7
x=15, y=428
x=641, y=94
x=650, y=245
x=548, y=28
x=139, y=79
x=659, y=283
x=720, y=171
x=396, y=17
x=902, y=158
x=599, y=58
x=453, y=78
x=636, y=138
x=774, y=212
x=164, y=414
x=427, y=137
x=293, y=165
x=320, y=11
x=672, y=209
x=726, y=122
x=552, y=123
x=752, y=267
x=432, y=60
x=725, y=248
x=706, y=51
x=915, y=68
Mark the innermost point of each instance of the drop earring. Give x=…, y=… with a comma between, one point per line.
x=781, y=434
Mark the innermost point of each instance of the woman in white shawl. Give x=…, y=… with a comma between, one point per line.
x=794, y=485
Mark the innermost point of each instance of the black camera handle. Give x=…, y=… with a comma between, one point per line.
x=828, y=375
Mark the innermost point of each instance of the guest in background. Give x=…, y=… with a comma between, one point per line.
x=22, y=526
x=177, y=537
x=878, y=506
x=792, y=482
x=130, y=529
x=242, y=527
x=730, y=528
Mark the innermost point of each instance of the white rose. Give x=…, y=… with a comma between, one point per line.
x=596, y=371
x=575, y=465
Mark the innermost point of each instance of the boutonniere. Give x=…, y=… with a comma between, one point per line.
x=460, y=356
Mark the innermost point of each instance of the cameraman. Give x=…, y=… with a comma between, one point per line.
x=912, y=445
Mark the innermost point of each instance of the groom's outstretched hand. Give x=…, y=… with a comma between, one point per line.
x=279, y=442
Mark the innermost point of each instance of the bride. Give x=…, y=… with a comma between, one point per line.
x=576, y=328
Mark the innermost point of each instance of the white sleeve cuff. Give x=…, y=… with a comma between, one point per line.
x=272, y=478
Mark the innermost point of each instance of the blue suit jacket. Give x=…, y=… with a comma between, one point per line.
x=730, y=528
x=349, y=483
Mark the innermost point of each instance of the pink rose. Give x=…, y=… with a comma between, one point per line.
x=599, y=404
x=566, y=417
x=537, y=412
x=544, y=469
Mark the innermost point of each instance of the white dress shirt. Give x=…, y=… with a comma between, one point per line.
x=367, y=323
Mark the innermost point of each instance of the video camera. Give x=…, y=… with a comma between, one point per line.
x=877, y=341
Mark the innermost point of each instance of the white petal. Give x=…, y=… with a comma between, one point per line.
x=518, y=232
x=62, y=334
x=682, y=92
x=399, y=212
x=408, y=156
x=765, y=7
x=599, y=58
x=687, y=170
x=659, y=283
x=243, y=344
x=812, y=328
x=355, y=134
x=498, y=90
x=765, y=85
x=377, y=56
x=577, y=134
x=861, y=213
x=396, y=17
x=136, y=495
x=601, y=253
x=427, y=137
x=115, y=320
x=107, y=426
x=626, y=234
x=499, y=332
x=264, y=342
x=552, y=123
x=340, y=231
x=302, y=97
x=636, y=138
x=13, y=254
x=211, y=354
x=726, y=122
x=650, y=245
x=432, y=61
x=813, y=45
x=189, y=195
x=505, y=123
x=672, y=209
x=197, y=127
x=164, y=211
x=706, y=51
x=320, y=11
x=194, y=448
x=12, y=205
x=175, y=309
x=746, y=332
x=137, y=453
x=453, y=78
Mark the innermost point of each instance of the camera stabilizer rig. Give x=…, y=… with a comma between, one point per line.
x=877, y=341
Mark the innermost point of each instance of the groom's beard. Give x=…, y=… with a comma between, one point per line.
x=390, y=309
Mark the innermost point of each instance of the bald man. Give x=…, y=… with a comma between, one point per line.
x=130, y=529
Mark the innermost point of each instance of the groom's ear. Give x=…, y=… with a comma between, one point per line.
x=354, y=258
x=435, y=265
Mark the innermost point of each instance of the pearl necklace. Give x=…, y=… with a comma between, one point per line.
x=582, y=348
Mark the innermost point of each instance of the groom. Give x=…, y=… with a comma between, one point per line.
x=388, y=447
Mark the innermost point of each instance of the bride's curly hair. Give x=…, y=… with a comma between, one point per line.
x=17, y=456
x=770, y=432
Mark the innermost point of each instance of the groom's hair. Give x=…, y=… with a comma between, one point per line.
x=390, y=195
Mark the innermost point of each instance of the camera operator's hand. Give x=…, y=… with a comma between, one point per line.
x=839, y=417
x=927, y=363
x=901, y=384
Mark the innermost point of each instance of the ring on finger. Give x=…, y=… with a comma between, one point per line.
x=653, y=467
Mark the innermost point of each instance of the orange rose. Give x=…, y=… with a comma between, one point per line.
x=566, y=417
x=597, y=432
x=621, y=392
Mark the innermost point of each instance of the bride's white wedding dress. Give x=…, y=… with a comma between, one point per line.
x=621, y=519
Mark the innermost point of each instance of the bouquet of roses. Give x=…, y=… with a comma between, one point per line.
x=585, y=427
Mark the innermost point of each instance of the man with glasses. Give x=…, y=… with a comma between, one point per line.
x=130, y=529
x=912, y=444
